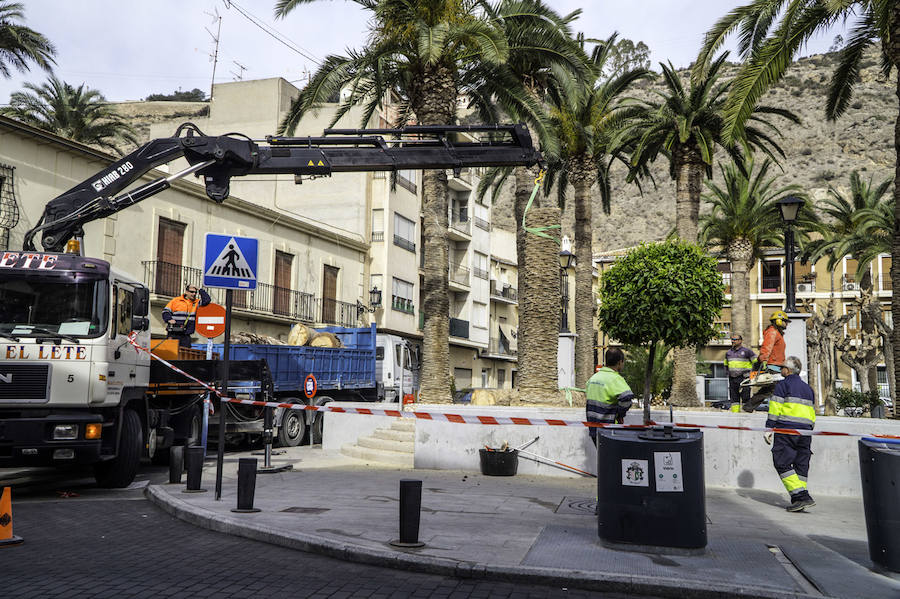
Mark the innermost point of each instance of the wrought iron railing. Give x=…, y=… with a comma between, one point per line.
x=481, y=273
x=406, y=244
x=771, y=284
x=459, y=328
x=509, y=293
x=163, y=278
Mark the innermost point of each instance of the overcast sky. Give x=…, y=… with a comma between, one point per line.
x=131, y=49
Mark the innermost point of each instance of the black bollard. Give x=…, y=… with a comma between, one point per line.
x=246, y=486
x=176, y=464
x=410, y=510
x=194, y=460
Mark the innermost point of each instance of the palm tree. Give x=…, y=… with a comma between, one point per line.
x=686, y=126
x=856, y=228
x=542, y=69
x=79, y=113
x=588, y=120
x=771, y=33
x=20, y=45
x=743, y=220
x=425, y=53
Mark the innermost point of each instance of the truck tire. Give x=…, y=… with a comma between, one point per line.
x=121, y=470
x=195, y=436
x=317, y=428
x=292, y=429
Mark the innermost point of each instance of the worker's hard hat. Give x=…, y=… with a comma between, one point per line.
x=780, y=318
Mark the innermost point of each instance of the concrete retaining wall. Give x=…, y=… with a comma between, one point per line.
x=732, y=458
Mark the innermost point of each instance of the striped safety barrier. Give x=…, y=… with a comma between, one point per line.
x=497, y=420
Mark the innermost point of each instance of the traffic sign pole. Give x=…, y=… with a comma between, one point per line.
x=220, y=460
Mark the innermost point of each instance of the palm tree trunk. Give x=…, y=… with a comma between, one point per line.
x=893, y=51
x=583, y=176
x=688, y=179
x=434, y=104
x=435, y=378
x=740, y=302
x=539, y=296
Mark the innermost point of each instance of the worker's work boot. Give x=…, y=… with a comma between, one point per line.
x=798, y=504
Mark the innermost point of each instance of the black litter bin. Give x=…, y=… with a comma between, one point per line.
x=650, y=487
x=499, y=463
x=879, y=469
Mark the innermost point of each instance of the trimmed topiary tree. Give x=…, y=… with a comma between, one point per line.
x=666, y=292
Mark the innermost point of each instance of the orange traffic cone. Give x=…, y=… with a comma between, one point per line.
x=6, y=531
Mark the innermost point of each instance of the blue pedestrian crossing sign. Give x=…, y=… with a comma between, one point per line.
x=230, y=262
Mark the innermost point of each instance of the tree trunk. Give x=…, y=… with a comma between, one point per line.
x=434, y=102
x=867, y=323
x=740, y=255
x=689, y=172
x=583, y=175
x=893, y=51
x=539, y=295
x=648, y=381
x=434, y=386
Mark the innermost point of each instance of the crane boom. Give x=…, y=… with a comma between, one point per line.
x=219, y=158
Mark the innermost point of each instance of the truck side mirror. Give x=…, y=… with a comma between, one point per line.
x=140, y=323
x=140, y=304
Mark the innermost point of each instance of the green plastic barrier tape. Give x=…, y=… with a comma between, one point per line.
x=539, y=231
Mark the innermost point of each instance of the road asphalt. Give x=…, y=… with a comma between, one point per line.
x=538, y=529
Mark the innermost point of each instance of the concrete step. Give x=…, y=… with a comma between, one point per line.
x=373, y=442
x=404, y=424
x=378, y=455
x=387, y=433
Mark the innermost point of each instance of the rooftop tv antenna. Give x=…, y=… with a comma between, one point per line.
x=214, y=57
x=240, y=75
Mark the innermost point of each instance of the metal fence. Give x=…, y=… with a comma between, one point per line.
x=163, y=278
x=459, y=328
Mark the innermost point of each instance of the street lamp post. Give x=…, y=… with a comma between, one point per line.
x=790, y=208
x=566, y=260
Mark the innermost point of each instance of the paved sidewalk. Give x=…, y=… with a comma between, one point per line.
x=540, y=529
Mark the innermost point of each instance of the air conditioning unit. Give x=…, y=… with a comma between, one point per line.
x=851, y=286
x=805, y=288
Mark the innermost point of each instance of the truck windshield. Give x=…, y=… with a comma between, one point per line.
x=63, y=305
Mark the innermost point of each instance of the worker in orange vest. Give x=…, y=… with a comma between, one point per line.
x=180, y=314
x=769, y=361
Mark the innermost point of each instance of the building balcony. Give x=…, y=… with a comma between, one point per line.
x=459, y=328
x=377, y=236
x=506, y=294
x=168, y=280
x=406, y=244
x=459, y=276
x=482, y=224
x=402, y=304
x=462, y=181
x=849, y=283
x=499, y=347
x=481, y=273
x=771, y=284
x=460, y=228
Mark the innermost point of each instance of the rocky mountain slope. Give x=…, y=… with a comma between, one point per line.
x=818, y=153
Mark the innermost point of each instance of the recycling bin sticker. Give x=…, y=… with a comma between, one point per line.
x=668, y=475
x=635, y=473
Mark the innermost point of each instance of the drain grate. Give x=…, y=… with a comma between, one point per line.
x=577, y=505
x=305, y=510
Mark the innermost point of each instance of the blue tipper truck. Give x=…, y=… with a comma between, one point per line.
x=368, y=367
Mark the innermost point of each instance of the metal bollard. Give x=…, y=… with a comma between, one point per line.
x=194, y=460
x=246, y=486
x=410, y=510
x=176, y=464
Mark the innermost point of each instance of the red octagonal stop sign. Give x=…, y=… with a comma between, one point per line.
x=210, y=320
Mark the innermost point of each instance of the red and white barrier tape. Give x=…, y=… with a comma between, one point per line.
x=496, y=420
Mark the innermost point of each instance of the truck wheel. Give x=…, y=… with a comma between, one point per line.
x=195, y=436
x=292, y=429
x=121, y=470
x=317, y=428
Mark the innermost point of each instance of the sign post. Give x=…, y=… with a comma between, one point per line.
x=210, y=324
x=229, y=263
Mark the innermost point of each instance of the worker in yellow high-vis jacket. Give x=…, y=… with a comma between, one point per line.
x=738, y=361
x=793, y=405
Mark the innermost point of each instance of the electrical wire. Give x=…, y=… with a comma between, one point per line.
x=273, y=33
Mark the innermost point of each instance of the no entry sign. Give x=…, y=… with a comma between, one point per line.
x=210, y=320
